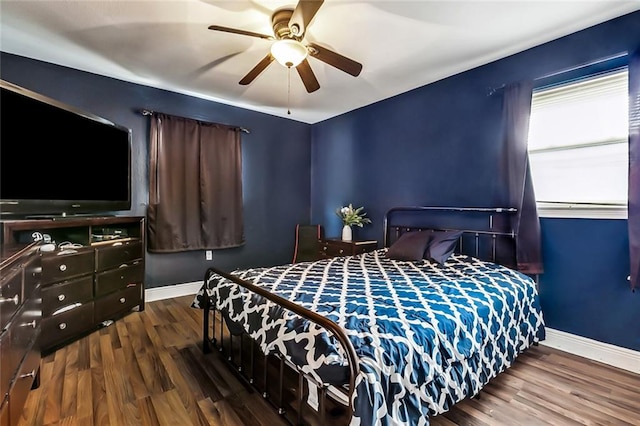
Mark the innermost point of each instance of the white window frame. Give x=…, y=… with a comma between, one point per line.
x=583, y=210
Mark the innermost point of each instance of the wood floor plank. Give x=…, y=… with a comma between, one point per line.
x=140, y=340
x=54, y=395
x=84, y=403
x=184, y=391
x=99, y=397
x=69, y=395
x=130, y=366
x=169, y=409
x=499, y=411
x=539, y=383
x=154, y=374
x=83, y=359
x=148, y=369
x=147, y=413
x=210, y=412
x=94, y=348
x=169, y=334
x=115, y=396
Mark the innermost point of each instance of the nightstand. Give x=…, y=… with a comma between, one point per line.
x=333, y=247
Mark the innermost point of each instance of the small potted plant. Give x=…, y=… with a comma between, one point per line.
x=351, y=216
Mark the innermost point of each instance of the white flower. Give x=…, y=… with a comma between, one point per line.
x=351, y=216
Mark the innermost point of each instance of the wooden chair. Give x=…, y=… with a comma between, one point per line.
x=306, y=248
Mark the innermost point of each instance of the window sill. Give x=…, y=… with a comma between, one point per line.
x=574, y=211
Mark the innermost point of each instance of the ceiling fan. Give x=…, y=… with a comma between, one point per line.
x=289, y=28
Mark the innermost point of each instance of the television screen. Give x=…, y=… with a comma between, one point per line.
x=55, y=159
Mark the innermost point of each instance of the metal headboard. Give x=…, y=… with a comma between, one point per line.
x=487, y=232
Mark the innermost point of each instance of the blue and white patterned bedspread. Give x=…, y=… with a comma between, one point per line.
x=426, y=335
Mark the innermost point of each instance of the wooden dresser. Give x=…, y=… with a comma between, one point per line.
x=330, y=247
x=20, y=319
x=94, y=276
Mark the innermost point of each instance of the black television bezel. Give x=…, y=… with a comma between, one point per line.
x=19, y=208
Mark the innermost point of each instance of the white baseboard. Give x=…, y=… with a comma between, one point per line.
x=615, y=356
x=170, y=291
x=606, y=353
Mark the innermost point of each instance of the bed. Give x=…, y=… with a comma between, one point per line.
x=392, y=336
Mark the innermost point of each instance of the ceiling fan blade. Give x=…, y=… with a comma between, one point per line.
x=241, y=32
x=335, y=59
x=262, y=65
x=308, y=77
x=302, y=15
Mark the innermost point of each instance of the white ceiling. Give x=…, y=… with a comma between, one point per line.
x=401, y=44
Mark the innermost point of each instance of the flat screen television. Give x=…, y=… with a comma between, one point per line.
x=58, y=160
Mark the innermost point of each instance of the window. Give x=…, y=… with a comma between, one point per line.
x=578, y=146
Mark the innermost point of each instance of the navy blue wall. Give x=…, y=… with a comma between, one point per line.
x=275, y=197
x=440, y=145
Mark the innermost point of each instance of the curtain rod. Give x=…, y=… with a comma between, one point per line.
x=150, y=112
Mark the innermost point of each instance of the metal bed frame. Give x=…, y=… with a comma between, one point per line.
x=486, y=230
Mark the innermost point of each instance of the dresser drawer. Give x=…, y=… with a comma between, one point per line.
x=25, y=328
x=112, y=256
x=119, y=278
x=19, y=342
x=114, y=304
x=32, y=274
x=58, y=328
x=66, y=293
x=10, y=295
x=333, y=248
x=8, y=367
x=59, y=267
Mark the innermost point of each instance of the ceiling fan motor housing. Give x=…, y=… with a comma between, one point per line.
x=280, y=22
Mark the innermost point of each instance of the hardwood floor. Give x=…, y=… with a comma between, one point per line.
x=148, y=369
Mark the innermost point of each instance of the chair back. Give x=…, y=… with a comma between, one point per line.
x=306, y=248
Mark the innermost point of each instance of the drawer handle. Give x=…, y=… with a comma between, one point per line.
x=31, y=374
x=63, y=267
x=66, y=308
x=15, y=299
x=30, y=324
x=61, y=297
x=124, y=265
x=62, y=325
x=67, y=251
x=122, y=300
x=341, y=251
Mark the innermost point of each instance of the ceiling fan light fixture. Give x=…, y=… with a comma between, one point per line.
x=289, y=52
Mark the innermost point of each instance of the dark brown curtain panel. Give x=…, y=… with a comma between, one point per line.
x=634, y=168
x=195, y=185
x=516, y=113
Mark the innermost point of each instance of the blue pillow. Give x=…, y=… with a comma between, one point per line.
x=442, y=245
x=410, y=246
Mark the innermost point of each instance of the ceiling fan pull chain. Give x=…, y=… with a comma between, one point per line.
x=288, y=90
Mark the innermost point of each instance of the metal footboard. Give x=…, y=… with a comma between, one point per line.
x=281, y=365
